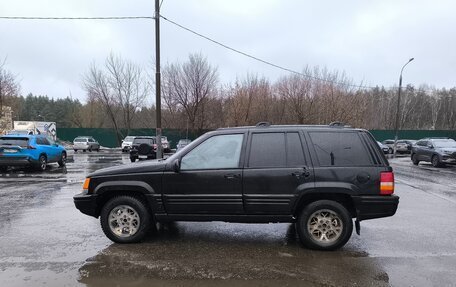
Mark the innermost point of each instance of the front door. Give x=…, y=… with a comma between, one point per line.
x=275, y=170
x=209, y=180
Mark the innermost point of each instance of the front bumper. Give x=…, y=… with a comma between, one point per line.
x=370, y=207
x=86, y=203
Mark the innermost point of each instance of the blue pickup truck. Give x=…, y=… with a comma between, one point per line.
x=30, y=150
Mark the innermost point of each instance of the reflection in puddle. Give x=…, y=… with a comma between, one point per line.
x=215, y=253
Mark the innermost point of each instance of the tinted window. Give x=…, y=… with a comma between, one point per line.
x=143, y=141
x=339, y=149
x=222, y=151
x=267, y=150
x=295, y=154
x=6, y=141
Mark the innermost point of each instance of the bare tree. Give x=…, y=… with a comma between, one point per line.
x=9, y=87
x=188, y=87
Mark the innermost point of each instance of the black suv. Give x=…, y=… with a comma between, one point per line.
x=438, y=151
x=322, y=178
x=143, y=148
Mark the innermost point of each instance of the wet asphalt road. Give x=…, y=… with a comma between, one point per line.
x=45, y=241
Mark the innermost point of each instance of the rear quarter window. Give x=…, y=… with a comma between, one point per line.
x=339, y=149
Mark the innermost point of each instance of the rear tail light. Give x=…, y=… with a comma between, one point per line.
x=386, y=183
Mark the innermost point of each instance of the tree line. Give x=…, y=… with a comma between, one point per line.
x=119, y=95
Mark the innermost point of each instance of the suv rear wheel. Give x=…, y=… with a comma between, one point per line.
x=324, y=225
x=125, y=219
x=42, y=163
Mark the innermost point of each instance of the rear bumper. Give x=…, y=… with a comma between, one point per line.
x=16, y=160
x=370, y=207
x=86, y=203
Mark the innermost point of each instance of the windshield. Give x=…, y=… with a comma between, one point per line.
x=129, y=139
x=444, y=143
x=22, y=142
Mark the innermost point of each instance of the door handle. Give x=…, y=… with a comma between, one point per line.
x=305, y=172
x=232, y=176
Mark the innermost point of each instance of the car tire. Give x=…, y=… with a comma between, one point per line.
x=324, y=225
x=390, y=151
x=125, y=219
x=90, y=149
x=3, y=169
x=75, y=150
x=132, y=159
x=415, y=159
x=42, y=163
x=435, y=161
x=84, y=150
x=63, y=158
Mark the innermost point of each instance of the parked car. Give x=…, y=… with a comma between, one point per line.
x=85, y=143
x=401, y=146
x=30, y=150
x=143, y=147
x=410, y=144
x=323, y=179
x=438, y=151
x=386, y=149
x=165, y=144
x=182, y=143
x=126, y=143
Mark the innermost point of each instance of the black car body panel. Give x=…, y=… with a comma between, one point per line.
x=264, y=185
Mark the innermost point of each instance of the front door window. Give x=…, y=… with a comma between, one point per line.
x=217, y=152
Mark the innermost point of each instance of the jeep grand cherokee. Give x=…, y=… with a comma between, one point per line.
x=325, y=177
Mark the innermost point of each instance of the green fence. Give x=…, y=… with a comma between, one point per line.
x=107, y=137
x=381, y=135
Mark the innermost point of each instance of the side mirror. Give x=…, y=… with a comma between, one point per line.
x=430, y=146
x=176, y=165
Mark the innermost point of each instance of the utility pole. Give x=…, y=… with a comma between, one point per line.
x=396, y=126
x=158, y=130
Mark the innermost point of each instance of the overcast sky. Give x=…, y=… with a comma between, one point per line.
x=369, y=40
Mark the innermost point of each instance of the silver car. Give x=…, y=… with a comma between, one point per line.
x=85, y=143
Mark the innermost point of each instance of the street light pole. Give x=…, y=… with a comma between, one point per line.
x=396, y=126
x=158, y=131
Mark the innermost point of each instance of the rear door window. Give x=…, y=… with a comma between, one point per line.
x=339, y=149
x=295, y=153
x=267, y=150
x=8, y=141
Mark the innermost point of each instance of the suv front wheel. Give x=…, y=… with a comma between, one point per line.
x=125, y=219
x=324, y=225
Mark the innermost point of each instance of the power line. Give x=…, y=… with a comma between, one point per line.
x=261, y=60
x=76, y=18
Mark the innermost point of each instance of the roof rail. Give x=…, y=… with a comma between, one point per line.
x=263, y=124
x=337, y=124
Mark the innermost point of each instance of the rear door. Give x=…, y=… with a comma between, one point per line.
x=45, y=146
x=277, y=164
